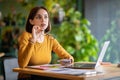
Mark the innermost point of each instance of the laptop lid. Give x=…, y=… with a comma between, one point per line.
x=92, y=65
x=102, y=53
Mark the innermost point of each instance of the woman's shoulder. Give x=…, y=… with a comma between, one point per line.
x=50, y=36
x=25, y=34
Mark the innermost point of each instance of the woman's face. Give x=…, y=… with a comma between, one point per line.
x=41, y=19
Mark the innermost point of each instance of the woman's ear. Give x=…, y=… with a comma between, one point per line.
x=31, y=22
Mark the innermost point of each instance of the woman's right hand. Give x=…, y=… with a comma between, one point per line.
x=35, y=32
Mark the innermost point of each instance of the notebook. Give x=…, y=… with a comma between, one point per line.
x=92, y=65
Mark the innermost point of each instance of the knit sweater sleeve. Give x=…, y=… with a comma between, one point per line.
x=25, y=50
x=60, y=51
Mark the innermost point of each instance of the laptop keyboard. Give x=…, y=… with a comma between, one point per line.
x=83, y=65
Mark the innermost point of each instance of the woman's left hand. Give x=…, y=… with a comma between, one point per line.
x=66, y=62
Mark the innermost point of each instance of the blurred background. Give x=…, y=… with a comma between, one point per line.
x=81, y=26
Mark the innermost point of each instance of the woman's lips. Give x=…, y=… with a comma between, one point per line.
x=42, y=25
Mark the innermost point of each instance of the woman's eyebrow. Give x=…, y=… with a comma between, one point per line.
x=41, y=14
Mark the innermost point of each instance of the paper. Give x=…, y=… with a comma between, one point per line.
x=60, y=69
x=71, y=71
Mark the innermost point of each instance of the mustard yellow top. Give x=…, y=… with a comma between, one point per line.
x=38, y=53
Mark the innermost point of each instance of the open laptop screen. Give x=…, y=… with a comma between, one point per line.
x=92, y=65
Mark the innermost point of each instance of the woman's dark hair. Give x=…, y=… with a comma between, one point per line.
x=32, y=14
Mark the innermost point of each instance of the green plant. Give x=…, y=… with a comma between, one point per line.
x=76, y=38
x=73, y=33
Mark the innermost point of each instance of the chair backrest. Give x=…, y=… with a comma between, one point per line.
x=9, y=64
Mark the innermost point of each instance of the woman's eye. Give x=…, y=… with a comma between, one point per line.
x=45, y=16
x=38, y=17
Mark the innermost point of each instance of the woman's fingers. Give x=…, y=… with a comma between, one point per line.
x=65, y=62
x=34, y=32
x=37, y=29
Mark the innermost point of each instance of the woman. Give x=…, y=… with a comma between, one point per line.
x=35, y=44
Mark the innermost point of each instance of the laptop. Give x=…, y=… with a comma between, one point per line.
x=85, y=65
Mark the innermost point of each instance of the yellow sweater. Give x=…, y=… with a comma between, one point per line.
x=38, y=53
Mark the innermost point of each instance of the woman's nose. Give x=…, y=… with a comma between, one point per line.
x=43, y=19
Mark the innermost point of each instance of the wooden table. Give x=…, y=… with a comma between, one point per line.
x=108, y=71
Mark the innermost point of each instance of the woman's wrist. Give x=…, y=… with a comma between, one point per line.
x=31, y=40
